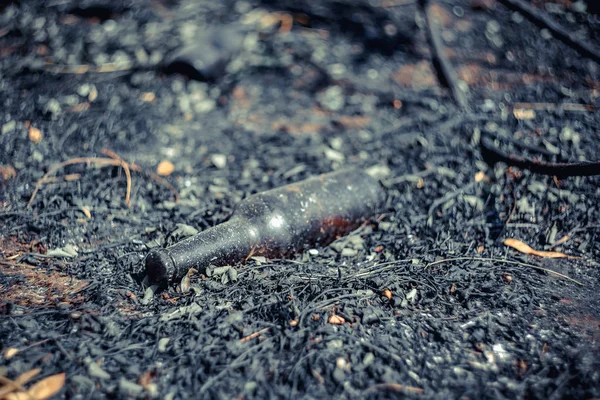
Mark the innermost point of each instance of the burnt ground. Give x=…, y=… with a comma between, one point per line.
x=431, y=303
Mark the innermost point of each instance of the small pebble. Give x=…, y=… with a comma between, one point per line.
x=205, y=106
x=128, y=387
x=9, y=127
x=332, y=98
x=342, y=364
x=148, y=296
x=333, y=155
x=339, y=375
x=346, y=252
x=53, y=108
x=219, y=160
x=95, y=371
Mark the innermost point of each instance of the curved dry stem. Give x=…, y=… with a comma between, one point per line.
x=84, y=160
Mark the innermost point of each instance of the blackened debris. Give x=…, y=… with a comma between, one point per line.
x=419, y=302
x=376, y=29
x=207, y=57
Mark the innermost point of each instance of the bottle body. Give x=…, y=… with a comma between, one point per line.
x=276, y=223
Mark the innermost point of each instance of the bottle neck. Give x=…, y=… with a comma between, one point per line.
x=223, y=244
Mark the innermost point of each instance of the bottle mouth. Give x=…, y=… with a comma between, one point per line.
x=159, y=266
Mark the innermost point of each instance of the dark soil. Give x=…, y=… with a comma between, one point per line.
x=429, y=301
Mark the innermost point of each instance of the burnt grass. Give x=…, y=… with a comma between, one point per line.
x=433, y=304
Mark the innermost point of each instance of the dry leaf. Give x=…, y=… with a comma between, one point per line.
x=17, y=396
x=27, y=376
x=7, y=172
x=526, y=249
x=80, y=107
x=86, y=211
x=185, y=284
x=7, y=388
x=480, y=176
x=522, y=113
x=165, y=168
x=93, y=94
x=10, y=353
x=35, y=135
x=336, y=320
x=47, y=387
x=561, y=241
x=146, y=378
x=387, y=293
x=294, y=322
x=148, y=97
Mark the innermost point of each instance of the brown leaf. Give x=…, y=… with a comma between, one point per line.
x=418, y=76
x=480, y=176
x=47, y=387
x=35, y=135
x=27, y=376
x=146, y=378
x=336, y=320
x=86, y=211
x=148, y=97
x=523, y=114
x=7, y=389
x=10, y=353
x=7, y=172
x=387, y=293
x=165, y=168
x=17, y=396
x=93, y=94
x=526, y=249
x=80, y=107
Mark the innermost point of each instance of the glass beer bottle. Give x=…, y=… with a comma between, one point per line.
x=275, y=224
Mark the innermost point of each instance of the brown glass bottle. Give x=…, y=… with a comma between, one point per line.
x=276, y=223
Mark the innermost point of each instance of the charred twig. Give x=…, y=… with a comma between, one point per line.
x=158, y=179
x=569, y=235
x=86, y=68
x=557, y=31
x=395, y=387
x=445, y=71
x=377, y=269
x=83, y=160
x=396, y=3
x=573, y=107
x=137, y=168
x=114, y=160
x=492, y=154
x=499, y=260
x=238, y=362
x=521, y=145
x=444, y=199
